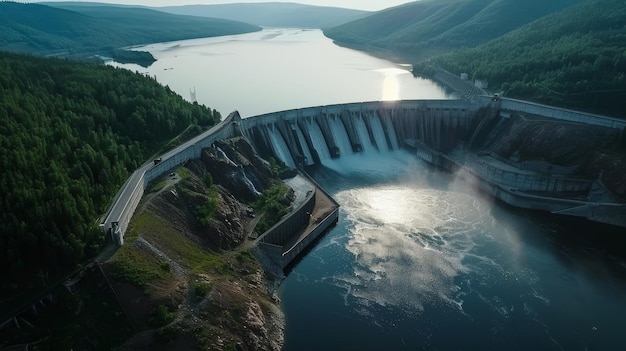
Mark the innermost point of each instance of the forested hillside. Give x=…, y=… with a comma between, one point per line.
x=70, y=134
x=101, y=30
x=575, y=58
x=425, y=28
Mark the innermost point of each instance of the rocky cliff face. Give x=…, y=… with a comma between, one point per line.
x=579, y=150
x=234, y=165
x=238, y=176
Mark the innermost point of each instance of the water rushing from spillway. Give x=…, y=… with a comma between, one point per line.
x=340, y=135
x=419, y=261
x=379, y=133
x=338, y=138
x=305, y=148
x=366, y=141
x=318, y=142
x=280, y=148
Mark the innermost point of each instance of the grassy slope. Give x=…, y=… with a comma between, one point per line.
x=212, y=291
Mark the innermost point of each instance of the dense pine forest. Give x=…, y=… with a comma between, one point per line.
x=70, y=134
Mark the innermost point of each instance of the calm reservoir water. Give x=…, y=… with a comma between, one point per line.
x=279, y=69
x=419, y=260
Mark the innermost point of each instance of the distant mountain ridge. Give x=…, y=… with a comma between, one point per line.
x=99, y=30
x=428, y=27
x=273, y=14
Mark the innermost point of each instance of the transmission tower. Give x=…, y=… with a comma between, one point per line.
x=193, y=95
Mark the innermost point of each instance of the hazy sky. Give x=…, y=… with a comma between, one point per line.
x=369, y=5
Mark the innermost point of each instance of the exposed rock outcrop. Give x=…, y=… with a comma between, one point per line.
x=568, y=149
x=234, y=165
x=566, y=144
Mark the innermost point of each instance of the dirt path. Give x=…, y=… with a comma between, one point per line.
x=170, y=181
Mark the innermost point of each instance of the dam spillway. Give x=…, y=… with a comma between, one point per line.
x=308, y=136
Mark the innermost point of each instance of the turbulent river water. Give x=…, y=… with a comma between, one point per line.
x=419, y=260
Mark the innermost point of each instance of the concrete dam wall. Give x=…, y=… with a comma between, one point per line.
x=445, y=133
x=452, y=134
x=308, y=136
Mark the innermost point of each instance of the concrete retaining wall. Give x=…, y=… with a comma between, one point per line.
x=280, y=235
x=610, y=213
x=529, y=182
x=290, y=255
x=294, y=222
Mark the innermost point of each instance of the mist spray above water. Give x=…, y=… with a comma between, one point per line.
x=408, y=241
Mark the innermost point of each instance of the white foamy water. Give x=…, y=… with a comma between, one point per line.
x=408, y=244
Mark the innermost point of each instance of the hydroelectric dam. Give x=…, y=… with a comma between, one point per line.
x=457, y=135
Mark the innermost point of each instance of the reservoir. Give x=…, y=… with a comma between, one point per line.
x=279, y=69
x=419, y=260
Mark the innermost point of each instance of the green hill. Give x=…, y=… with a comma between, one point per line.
x=99, y=30
x=574, y=58
x=273, y=14
x=70, y=134
x=425, y=28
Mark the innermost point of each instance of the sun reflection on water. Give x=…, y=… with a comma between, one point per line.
x=391, y=83
x=409, y=244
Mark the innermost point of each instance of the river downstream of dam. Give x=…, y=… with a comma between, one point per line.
x=419, y=260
